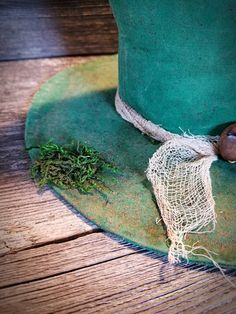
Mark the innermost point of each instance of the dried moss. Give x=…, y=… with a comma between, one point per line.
x=70, y=167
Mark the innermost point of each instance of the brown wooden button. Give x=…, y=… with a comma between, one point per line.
x=227, y=143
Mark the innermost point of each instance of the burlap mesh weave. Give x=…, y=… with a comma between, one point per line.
x=181, y=182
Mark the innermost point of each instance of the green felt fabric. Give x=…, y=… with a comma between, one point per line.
x=177, y=61
x=78, y=104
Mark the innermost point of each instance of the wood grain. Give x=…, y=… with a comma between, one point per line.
x=33, y=29
x=27, y=218
x=136, y=283
x=62, y=257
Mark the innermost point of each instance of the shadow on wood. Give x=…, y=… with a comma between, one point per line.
x=35, y=29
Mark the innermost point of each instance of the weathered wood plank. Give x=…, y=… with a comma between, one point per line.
x=22, y=78
x=33, y=29
x=27, y=218
x=57, y=258
x=137, y=283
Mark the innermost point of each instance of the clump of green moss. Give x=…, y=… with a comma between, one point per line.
x=70, y=167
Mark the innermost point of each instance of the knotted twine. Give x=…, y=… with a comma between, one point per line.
x=180, y=175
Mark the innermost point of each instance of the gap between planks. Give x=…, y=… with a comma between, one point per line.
x=99, y=274
x=52, y=259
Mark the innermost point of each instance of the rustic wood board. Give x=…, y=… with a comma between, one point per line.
x=134, y=283
x=50, y=260
x=33, y=29
x=27, y=218
x=55, y=262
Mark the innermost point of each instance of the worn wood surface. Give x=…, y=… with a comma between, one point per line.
x=39, y=28
x=22, y=224
x=54, y=261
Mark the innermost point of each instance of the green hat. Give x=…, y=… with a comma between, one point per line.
x=177, y=68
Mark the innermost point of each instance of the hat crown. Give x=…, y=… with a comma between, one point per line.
x=177, y=62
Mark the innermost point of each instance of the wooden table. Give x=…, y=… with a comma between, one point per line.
x=54, y=261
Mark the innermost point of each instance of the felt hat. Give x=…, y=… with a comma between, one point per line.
x=177, y=68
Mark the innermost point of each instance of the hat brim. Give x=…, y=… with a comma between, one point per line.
x=77, y=104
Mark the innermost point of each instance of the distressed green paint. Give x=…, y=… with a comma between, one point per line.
x=78, y=104
x=177, y=61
